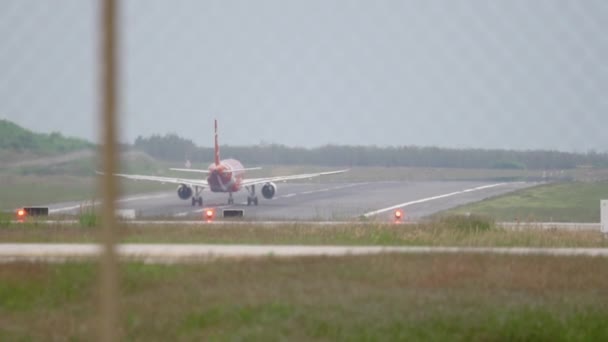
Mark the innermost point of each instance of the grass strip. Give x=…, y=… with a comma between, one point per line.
x=382, y=297
x=556, y=202
x=446, y=231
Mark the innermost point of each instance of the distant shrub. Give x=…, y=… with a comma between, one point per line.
x=88, y=217
x=467, y=222
x=88, y=220
x=15, y=137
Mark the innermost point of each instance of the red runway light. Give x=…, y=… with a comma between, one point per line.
x=20, y=213
x=209, y=214
x=398, y=214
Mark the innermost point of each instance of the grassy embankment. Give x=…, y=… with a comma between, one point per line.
x=561, y=202
x=39, y=168
x=16, y=142
x=380, y=298
x=450, y=231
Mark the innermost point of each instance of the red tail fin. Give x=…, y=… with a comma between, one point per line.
x=217, y=147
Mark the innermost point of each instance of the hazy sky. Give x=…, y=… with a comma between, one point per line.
x=455, y=73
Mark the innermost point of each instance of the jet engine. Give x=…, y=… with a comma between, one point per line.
x=184, y=192
x=268, y=190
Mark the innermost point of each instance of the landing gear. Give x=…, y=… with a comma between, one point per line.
x=230, y=199
x=197, y=198
x=252, y=198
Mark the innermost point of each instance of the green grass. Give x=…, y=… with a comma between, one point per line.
x=444, y=232
x=353, y=298
x=558, y=202
x=5, y=219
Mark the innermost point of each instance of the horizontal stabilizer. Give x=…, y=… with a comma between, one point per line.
x=207, y=171
x=190, y=170
x=247, y=169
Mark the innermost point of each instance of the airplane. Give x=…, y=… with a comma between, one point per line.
x=226, y=175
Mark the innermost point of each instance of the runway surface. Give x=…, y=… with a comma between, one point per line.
x=318, y=201
x=172, y=253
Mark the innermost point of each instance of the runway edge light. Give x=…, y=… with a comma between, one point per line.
x=209, y=214
x=21, y=213
x=399, y=215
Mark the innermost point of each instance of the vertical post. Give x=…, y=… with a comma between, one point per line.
x=604, y=217
x=108, y=305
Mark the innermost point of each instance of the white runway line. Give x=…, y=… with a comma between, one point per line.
x=171, y=253
x=322, y=190
x=405, y=204
x=95, y=203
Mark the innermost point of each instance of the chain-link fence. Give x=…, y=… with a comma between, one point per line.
x=458, y=74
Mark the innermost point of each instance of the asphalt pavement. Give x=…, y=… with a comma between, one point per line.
x=317, y=201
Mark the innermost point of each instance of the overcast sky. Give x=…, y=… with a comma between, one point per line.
x=486, y=74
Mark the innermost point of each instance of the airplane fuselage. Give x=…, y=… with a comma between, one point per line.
x=222, y=178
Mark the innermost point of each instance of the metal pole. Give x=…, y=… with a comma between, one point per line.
x=108, y=306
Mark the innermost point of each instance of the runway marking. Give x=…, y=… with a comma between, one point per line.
x=428, y=199
x=185, y=213
x=171, y=253
x=94, y=203
x=51, y=211
x=323, y=190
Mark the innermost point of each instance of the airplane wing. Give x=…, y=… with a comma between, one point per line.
x=255, y=181
x=171, y=180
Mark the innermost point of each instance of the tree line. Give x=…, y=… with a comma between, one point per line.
x=171, y=147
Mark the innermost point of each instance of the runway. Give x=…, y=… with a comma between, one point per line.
x=318, y=201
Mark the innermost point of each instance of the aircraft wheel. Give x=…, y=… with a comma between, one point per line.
x=248, y=201
x=200, y=201
x=193, y=201
x=255, y=200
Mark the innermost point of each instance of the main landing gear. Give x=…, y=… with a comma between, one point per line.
x=252, y=198
x=197, y=198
